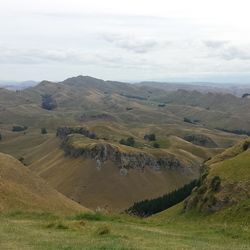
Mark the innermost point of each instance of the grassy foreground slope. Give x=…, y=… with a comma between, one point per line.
x=20, y=189
x=45, y=231
x=176, y=228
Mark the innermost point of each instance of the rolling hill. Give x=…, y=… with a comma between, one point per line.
x=21, y=190
x=187, y=125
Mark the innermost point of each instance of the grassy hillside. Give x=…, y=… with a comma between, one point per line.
x=81, y=99
x=116, y=111
x=224, y=193
x=46, y=231
x=20, y=189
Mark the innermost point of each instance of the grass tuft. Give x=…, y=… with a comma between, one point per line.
x=103, y=230
x=57, y=225
x=90, y=217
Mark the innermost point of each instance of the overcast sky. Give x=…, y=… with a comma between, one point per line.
x=129, y=40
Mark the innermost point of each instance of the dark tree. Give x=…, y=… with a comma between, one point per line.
x=245, y=95
x=245, y=145
x=150, y=137
x=215, y=183
x=156, y=145
x=148, y=207
x=44, y=131
x=19, y=128
x=130, y=141
x=236, y=131
x=48, y=102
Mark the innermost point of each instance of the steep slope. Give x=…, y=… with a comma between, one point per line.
x=222, y=197
x=226, y=184
x=20, y=189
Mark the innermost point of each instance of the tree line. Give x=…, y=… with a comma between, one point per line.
x=147, y=207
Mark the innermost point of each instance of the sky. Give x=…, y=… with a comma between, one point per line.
x=139, y=40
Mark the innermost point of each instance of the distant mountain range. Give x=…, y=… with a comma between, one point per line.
x=14, y=85
x=203, y=87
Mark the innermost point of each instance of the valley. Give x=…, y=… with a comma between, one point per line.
x=76, y=154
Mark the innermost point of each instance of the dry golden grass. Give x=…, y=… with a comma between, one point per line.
x=21, y=189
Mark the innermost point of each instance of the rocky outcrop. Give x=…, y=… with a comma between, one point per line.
x=63, y=132
x=102, y=152
x=211, y=196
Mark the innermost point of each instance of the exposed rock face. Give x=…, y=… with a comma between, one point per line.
x=63, y=132
x=102, y=152
x=210, y=196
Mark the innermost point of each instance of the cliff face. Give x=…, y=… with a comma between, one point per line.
x=102, y=152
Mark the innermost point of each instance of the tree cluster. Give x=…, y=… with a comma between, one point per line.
x=63, y=132
x=44, y=131
x=48, y=102
x=130, y=141
x=148, y=207
x=18, y=128
x=150, y=137
x=236, y=131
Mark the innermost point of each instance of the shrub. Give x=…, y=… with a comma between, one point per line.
x=89, y=216
x=156, y=145
x=44, y=131
x=215, y=183
x=19, y=128
x=245, y=145
x=150, y=137
x=58, y=225
x=48, y=102
x=128, y=108
x=130, y=141
x=102, y=230
x=161, y=105
x=1, y=137
x=187, y=120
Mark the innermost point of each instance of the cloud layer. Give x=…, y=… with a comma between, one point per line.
x=163, y=40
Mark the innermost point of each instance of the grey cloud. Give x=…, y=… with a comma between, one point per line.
x=215, y=43
x=35, y=56
x=234, y=52
x=69, y=57
x=136, y=45
x=227, y=51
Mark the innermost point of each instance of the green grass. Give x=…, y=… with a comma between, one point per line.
x=233, y=170
x=120, y=232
